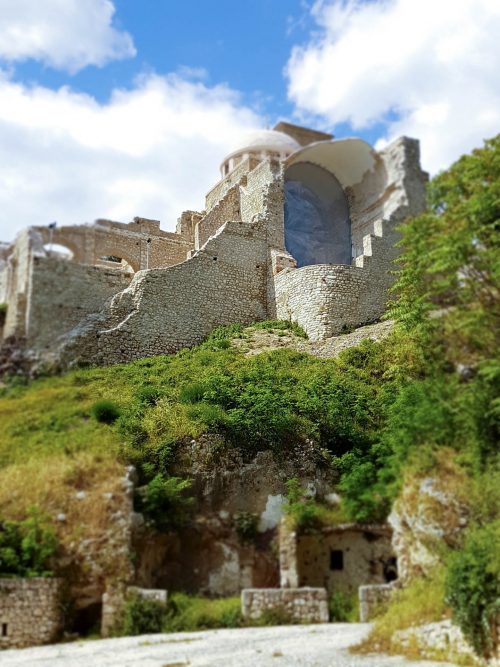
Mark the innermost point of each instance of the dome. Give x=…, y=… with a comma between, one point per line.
x=263, y=141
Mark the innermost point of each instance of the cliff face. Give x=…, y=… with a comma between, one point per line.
x=430, y=515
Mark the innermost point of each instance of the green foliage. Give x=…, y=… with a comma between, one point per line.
x=303, y=511
x=281, y=325
x=343, y=608
x=149, y=395
x=473, y=586
x=246, y=524
x=105, y=412
x=187, y=613
x=275, y=616
x=141, y=616
x=27, y=547
x=165, y=503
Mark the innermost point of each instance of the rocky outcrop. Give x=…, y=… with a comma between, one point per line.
x=427, y=516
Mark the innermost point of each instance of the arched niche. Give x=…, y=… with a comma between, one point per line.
x=317, y=224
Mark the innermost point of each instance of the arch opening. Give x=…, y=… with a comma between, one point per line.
x=59, y=250
x=317, y=222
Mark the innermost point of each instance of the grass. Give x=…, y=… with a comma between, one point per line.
x=420, y=603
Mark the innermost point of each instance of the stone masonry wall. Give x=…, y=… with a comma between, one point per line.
x=300, y=604
x=62, y=294
x=323, y=298
x=164, y=310
x=237, y=176
x=371, y=598
x=30, y=611
x=227, y=209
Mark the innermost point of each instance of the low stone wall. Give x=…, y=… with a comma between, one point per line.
x=371, y=598
x=300, y=604
x=30, y=611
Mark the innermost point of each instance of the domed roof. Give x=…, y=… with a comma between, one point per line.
x=264, y=140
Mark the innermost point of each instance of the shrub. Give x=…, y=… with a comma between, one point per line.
x=187, y=613
x=305, y=513
x=141, y=616
x=149, y=395
x=27, y=547
x=104, y=411
x=165, y=503
x=275, y=616
x=281, y=326
x=473, y=586
x=343, y=608
x=246, y=524
x=192, y=393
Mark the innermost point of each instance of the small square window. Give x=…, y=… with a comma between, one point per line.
x=336, y=559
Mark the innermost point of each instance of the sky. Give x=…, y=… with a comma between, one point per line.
x=118, y=108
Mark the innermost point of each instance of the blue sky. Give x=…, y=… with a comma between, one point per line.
x=116, y=108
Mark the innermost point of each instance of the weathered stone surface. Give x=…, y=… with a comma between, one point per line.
x=426, y=515
x=300, y=604
x=30, y=611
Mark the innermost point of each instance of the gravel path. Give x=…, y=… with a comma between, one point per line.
x=286, y=646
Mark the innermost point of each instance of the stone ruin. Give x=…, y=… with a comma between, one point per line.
x=301, y=227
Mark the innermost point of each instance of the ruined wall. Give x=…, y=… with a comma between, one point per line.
x=129, y=241
x=61, y=294
x=323, y=299
x=228, y=208
x=237, y=176
x=30, y=611
x=164, y=310
x=303, y=605
x=344, y=558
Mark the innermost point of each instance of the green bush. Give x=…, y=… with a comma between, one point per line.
x=473, y=586
x=27, y=547
x=149, y=395
x=343, y=608
x=305, y=513
x=281, y=326
x=141, y=616
x=192, y=393
x=246, y=524
x=165, y=503
x=276, y=616
x=104, y=411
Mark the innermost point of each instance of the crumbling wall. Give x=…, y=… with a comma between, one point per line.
x=237, y=176
x=228, y=208
x=165, y=310
x=30, y=611
x=61, y=294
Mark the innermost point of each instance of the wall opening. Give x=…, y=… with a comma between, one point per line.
x=58, y=250
x=336, y=559
x=5, y=630
x=317, y=223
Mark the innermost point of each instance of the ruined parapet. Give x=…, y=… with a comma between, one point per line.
x=30, y=611
x=302, y=605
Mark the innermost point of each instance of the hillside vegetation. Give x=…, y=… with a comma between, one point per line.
x=377, y=413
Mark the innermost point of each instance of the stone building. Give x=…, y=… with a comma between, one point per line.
x=301, y=226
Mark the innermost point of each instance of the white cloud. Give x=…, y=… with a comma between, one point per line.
x=64, y=34
x=151, y=151
x=428, y=69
